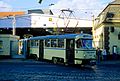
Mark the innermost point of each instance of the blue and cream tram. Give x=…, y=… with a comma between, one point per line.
x=68, y=48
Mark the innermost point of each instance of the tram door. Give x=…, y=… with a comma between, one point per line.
x=41, y=49
x=26, y=48
x=70, y=51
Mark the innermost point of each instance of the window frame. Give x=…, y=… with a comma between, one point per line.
x=1, y=44
x=59, y=45
x=34, y=43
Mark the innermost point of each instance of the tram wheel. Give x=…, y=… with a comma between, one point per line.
x=55, y=60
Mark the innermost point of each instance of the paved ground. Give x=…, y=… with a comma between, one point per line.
x=29, y=70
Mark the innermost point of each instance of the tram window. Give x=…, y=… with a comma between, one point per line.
x=20, y=44
x=61, y=43
x=31, y=43
x=78, y=43
x=34, y=43
x=71, y=44
x=87, y=43
x=47, y=43
x=53, y=43
x=1, y=44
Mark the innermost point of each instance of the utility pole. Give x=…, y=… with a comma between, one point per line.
x=14, y=25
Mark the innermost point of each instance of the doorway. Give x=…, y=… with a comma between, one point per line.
x=70, y=51
x=41, y=49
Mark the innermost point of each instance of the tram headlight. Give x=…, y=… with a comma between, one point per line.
x=94, y=56
x=84, y=55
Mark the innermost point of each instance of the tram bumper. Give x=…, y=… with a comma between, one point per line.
x=93, y=62
x=89, y=62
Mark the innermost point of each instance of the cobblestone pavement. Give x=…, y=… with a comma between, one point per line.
x=29, y=70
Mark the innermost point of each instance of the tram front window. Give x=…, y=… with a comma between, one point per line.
x=84, y=43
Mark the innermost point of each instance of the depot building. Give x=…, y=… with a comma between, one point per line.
x=39, y=22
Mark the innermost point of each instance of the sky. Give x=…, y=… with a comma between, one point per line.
x=83, y=9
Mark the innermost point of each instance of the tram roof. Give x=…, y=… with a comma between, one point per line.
x=65, y=36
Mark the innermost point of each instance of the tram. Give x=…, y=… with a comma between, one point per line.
x=67, y=49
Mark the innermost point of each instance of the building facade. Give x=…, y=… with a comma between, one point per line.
x=106, y=29
x=8, y=46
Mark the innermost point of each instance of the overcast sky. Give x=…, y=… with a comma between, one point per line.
x=81, y=8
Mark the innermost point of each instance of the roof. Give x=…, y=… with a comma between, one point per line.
x=23, y=21
x=115, y=2
x=9, y=36
x=66, y=36
x=5, y=14
x=41, y=11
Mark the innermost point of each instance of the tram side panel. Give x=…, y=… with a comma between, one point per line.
x=65, y=54
x=39, y=50
x=54, y=54
x=85, y=57
x=79, y=56
x=54, y=49
x=33, y=48
x=84, y=51
x=50, y=49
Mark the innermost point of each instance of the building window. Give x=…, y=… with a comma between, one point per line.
x=110, y=15
x=119, y=36
x=112, y=29
x=1, y=45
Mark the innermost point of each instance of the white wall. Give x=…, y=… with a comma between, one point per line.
x=39, y=20
x=98, y=39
